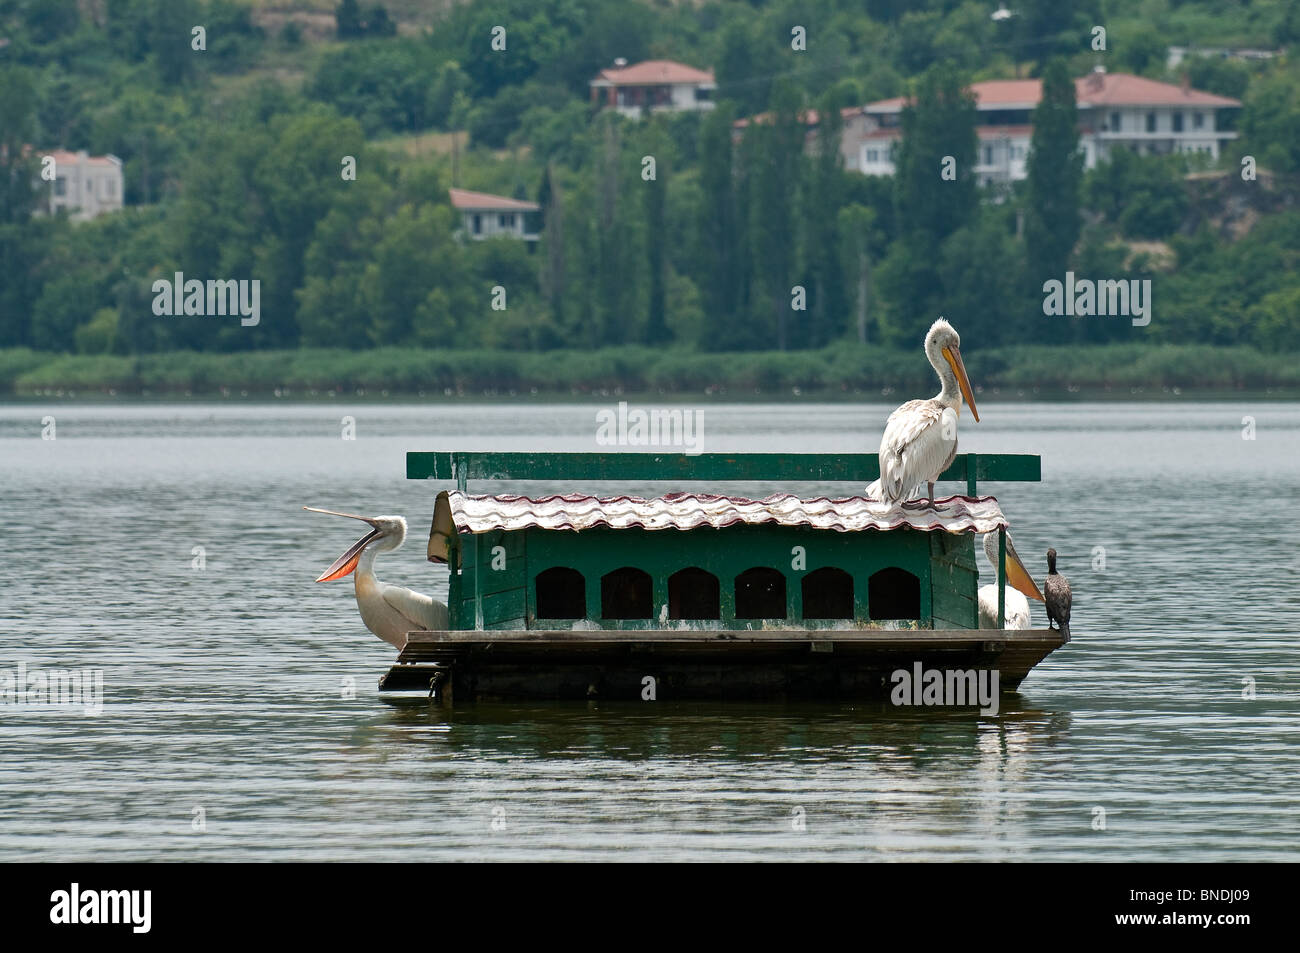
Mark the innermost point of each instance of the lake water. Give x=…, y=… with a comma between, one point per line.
x=226, y=733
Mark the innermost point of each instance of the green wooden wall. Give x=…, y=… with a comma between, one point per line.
x=500, y=569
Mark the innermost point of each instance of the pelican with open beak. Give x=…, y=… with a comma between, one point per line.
x=388, y=611
x=920, y=440
x=1019, y=585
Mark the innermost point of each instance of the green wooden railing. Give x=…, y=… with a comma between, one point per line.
x=463, y=466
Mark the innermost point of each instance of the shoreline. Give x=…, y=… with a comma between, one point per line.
x=848, y=372
x=646, y=399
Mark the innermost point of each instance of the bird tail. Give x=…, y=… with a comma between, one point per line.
x=1065, y=630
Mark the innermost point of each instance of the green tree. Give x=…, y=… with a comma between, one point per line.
x=1270, y=121
x=823, y=259
x=934, y=193
x=170, y=39
x=779, y=148
x=718, y=244
x=654, y=193
x=347, y=20
x=1052, y=190
x=18, y=169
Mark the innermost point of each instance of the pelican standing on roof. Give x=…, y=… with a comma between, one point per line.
x=388, y=611
x=1059, y=598
x=920, y=438
x=1019, y=585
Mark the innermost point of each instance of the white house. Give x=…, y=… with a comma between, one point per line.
x=489, y=216
x=87, y=186
x=653, y=86
x=1115, y=110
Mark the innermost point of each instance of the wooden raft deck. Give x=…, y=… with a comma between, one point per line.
x=701, y=664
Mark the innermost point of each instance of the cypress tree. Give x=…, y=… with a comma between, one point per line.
x=1055, y=178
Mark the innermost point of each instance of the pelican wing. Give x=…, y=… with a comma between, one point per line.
x=423, y=612
x=920, y=441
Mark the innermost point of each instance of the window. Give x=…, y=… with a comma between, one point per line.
x=626, y=594
x=1151, y=122
x=60, y=186
x=478, y=223
x=1178, y=122
x=760, y=594
x=703, y=96
x=1198, y=120
x=693, y=594
x=111, y=187
x=1115, y=122
x=988, y=155
x=828, y=594
x=894, y=593
x=561, y=594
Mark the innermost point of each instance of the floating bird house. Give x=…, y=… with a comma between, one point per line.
x=576, y=594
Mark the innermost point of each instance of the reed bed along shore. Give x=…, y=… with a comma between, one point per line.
x=842, y=370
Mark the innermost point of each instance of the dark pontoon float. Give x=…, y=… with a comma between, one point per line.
x=695, y=595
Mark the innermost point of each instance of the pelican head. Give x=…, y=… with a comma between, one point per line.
x=387, y=533
x=943, y=348
x=1017, y=574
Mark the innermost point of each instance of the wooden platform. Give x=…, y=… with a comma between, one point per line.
x=823, y=664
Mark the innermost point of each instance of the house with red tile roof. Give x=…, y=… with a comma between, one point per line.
x=490, y=216
x=85, y=186
x=1116, y=110
x=652, y=86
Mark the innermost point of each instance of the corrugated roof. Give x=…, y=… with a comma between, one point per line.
x=481, y=514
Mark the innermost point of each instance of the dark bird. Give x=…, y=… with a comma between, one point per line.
x=1056, y=592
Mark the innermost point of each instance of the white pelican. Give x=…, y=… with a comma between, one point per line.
x=1019, y=585
x=1059, y=598
x=388, y=611
x=920, y=438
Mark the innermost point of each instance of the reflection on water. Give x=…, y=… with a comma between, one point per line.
x=243, y=695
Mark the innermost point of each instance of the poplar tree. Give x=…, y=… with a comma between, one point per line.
x=934, y=193
x=1055, y=178
x=718, y=241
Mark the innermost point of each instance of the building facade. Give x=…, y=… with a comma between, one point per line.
x=1116, y=110
x=84, y=186
x=652, y=86
x=492, y=216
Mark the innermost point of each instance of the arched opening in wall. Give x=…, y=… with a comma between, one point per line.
x=626, y=594
x=760, y=594
x=693, y=593
x=561, y=594
x=828, y=594
x=894, y=593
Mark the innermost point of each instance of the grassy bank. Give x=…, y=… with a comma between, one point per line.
x=843, y=370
